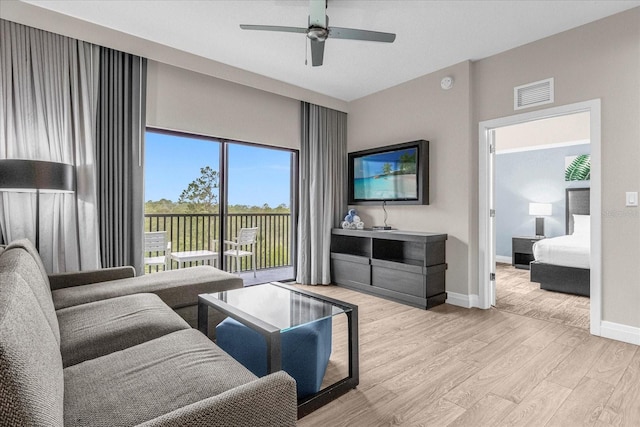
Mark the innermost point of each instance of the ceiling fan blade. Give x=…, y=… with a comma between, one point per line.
x=353, y=34
x=274, y=28
x=317, y=53
x=318, y=13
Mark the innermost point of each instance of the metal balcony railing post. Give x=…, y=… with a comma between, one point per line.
x=272, y=246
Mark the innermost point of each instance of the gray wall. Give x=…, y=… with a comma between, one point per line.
x=598, y=60
x=183, y=100
x=531, y=176
x=420, y=109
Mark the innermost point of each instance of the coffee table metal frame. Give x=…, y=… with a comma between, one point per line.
x=272, y=338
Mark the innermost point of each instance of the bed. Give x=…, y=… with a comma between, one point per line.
x=562, y=264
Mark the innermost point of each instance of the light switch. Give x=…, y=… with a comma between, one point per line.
x=632, y=198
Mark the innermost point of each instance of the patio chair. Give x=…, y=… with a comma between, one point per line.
x=246, y=237
x=157, y=249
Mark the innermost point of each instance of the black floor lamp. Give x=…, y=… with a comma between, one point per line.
x=36, y=175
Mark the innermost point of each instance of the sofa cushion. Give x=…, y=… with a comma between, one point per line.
x=269, y=401
x=22, y=258
x=190, y=315
x=31, y=375
x=92, y=330
x=177, y=288
x=27, y=246
x=85, y=277
x=148, y=380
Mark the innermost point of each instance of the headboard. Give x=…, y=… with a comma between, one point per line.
x=578, y=203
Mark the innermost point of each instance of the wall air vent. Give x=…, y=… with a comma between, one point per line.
x=532, y=94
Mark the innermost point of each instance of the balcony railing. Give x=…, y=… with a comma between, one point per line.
x=191, y=232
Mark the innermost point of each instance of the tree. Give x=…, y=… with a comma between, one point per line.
x=201, y=195
x=160, y=206
x=408, y=163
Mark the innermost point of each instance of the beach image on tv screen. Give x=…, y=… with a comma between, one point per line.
x=386, y=176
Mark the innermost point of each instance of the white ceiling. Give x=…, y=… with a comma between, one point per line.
x=431, y=35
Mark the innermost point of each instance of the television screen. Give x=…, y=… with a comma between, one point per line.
x=392, y=174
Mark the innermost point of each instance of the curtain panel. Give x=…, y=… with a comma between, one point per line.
x=48, y=107
x=120, y=144
x=323, y=199
x=68, y=101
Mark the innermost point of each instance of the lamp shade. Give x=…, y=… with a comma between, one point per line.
x=20, y=174
x=540, y=209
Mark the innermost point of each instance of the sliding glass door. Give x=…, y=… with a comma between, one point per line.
x=202, y=191
x=259, y=196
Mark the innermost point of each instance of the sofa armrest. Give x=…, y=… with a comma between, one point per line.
x=77, y=278
x=267, y=401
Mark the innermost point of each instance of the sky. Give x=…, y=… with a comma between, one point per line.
x=256, y=175
x=372, y=164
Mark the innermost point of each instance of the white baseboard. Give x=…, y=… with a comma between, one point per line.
x=504, y=259
x=462, y=300
x=619, y=332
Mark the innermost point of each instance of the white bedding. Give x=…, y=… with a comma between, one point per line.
x=570, y=251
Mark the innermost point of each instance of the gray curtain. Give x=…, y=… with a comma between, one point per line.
x=48, y=106
x=323, y=201
x=120, y=157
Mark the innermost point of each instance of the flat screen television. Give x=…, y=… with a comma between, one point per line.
x=396, y=174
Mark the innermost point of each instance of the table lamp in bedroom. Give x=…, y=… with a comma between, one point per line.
x=540, y=210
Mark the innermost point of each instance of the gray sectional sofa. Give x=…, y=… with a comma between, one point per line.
x=109, y=353
x=179, y=289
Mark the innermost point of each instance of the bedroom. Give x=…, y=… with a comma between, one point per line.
x=532, y=181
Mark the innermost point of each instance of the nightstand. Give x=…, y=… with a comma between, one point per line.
x=522, y=251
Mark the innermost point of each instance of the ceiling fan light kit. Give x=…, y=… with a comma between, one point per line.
x=318, y=31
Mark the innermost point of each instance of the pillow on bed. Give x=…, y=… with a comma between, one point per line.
x=581, y=224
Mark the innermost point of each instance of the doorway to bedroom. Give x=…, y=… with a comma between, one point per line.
x=529, y=164
x=535, y=163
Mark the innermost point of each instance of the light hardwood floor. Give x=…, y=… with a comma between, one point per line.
x=450, y=366
x=516, y=294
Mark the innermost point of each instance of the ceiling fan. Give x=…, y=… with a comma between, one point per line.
x=319, y=31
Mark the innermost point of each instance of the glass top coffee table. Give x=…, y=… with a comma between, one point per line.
x=273, y=308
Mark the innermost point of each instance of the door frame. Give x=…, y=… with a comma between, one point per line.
x=486, y=262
